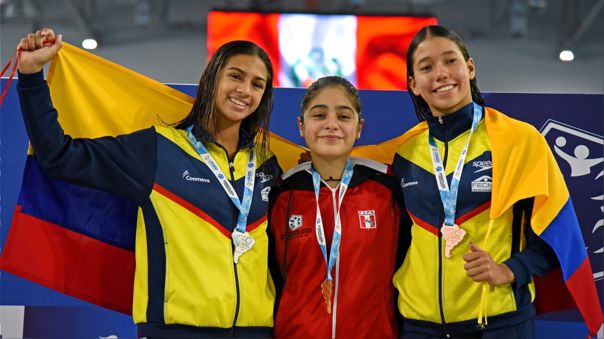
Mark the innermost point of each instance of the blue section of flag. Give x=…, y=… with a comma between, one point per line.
x=564, y=236
x=100, y=215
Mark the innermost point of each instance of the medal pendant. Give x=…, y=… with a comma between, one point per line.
x=326, y=290
x=243, y=242
x=453, y=235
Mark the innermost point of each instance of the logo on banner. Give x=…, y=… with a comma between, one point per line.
x=295, y=222
x=580, y=156
x=367, y=219
x=482, y=184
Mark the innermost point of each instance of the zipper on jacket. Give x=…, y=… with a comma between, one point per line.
x=440, y=238
x=237, y=299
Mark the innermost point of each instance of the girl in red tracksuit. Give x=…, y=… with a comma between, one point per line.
x=334, y=223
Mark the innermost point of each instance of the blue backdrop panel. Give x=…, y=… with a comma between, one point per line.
x=572, y=124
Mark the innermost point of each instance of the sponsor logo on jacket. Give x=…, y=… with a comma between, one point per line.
x=264, y=177
x=295, y=222
x=264, y=193
x=407, y=184
x=482, y=165
x=188, y=177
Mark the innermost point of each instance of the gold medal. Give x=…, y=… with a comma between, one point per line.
x=326, y=290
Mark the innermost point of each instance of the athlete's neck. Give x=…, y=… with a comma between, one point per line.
x=228, y=137
x=330, y=170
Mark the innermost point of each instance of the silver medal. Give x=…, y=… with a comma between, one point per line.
x=243, y=242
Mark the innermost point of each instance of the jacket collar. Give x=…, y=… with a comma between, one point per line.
x=453, y=124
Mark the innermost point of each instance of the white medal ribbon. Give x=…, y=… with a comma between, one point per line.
x=337, y=233
x=241, y=238
x=451, y=232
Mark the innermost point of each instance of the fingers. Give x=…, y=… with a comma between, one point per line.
x=476, y=262
x=479, y=270
x=484, y=276
x=474, y=247
x=31, y=42
x=38, y=39
x=41, y=38
x=58, y=42
x=23, y=44
x=48, y=36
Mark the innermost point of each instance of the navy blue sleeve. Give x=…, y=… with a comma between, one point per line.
x=537, y=258
x=124, y=165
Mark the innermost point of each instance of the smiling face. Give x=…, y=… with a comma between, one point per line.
x=241, y=84
x=441, y=76
x=331, y=124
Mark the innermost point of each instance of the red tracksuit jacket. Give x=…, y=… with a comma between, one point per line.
x=363, y=295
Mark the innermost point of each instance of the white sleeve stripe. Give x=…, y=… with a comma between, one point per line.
x=378, y=166
x=305, y=166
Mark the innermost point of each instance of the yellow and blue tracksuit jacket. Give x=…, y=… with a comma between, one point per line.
x=435, y=294
x=186, y=284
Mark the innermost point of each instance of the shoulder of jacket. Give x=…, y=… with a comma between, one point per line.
x=305, y=166
x=374, y=165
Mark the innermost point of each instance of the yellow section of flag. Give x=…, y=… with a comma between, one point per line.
x=96, y=97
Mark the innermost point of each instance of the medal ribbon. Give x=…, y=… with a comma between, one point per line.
x=250, y=176
x=449, y=196
x=337, y=233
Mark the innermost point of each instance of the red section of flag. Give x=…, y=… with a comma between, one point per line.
x=578, y=292
x=69, y=262
x=586, y=296
x=551, y=285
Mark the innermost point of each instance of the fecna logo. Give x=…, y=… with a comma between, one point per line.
x=482, y=184
x=188, y=177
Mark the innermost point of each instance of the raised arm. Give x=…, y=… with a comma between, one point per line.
x=124, y=165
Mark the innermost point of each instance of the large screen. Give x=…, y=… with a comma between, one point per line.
x=369, y=51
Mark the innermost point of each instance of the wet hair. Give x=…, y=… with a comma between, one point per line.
x=203, y=115
x=422, y=110
x=331, y=81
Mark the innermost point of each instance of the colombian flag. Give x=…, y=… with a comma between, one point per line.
x=527, y=168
